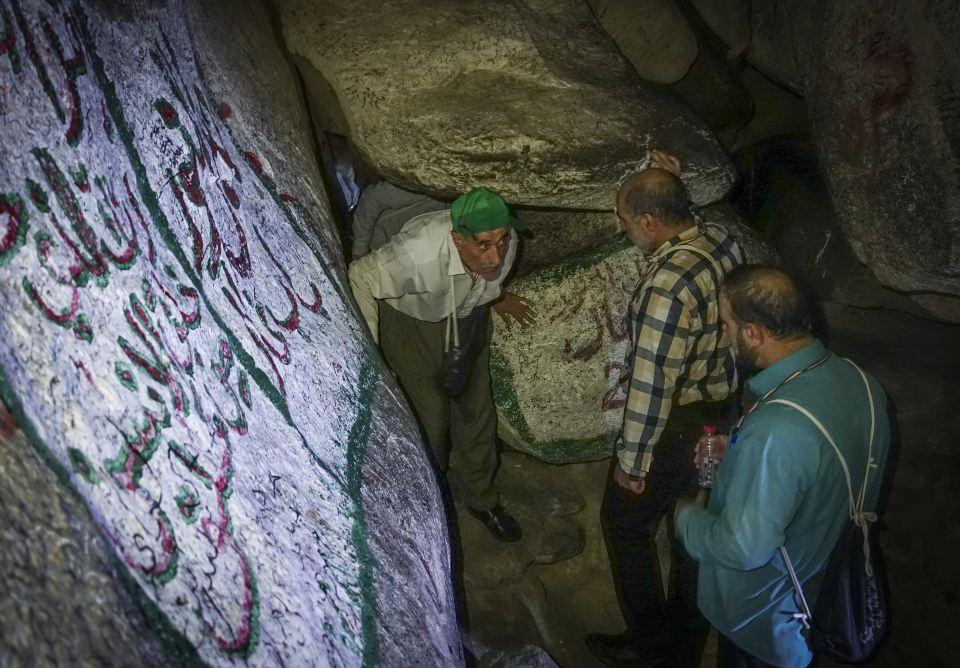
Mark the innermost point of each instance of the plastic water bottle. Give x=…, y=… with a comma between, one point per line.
x=707, y=464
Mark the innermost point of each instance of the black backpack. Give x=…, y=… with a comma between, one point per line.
x=850, y=618
x=852, y=614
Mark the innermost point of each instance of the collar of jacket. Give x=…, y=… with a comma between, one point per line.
x=693, y=232
x=454, y=263
x=770, y=377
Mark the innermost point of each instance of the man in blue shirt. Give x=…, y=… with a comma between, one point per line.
x=781, y=482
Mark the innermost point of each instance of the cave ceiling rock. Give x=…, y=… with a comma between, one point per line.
x=178, y=343
x=530, y=98
x=556, y=383
x=766, y=33
x=882, y=87
x=556, y=234
x=653, y=35
x=713, y=90
x=667, y=42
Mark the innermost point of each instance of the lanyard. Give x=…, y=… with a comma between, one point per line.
x=766, y=395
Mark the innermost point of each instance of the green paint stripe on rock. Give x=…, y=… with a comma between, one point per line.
x=357, y=442
x=557, y=451
x=181, y=650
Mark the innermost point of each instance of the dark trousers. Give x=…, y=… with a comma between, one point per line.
x=629, y=524
x=461, y=432
x=731, y=656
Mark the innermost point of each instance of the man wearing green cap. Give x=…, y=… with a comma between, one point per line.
x=425, y=295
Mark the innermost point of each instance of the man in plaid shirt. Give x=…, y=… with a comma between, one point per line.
x=682, y=373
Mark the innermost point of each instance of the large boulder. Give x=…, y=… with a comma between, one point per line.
x=59, y=573
x=177, y=342
x=556, y=384
x=882, y=83
x=774, y=36
x=715, y=93
x=529, y=98
x=884, y=100
x=653, y=35
x=557, y=234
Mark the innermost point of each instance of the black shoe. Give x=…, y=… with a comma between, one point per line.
x=500, y=523
x=626, y=650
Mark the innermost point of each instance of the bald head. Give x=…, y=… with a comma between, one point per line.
x=770, y=298
x=657, y=192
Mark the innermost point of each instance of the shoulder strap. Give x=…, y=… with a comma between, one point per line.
x=826, y=434
x=717, y=267
x=857, y=513
x=873, y=425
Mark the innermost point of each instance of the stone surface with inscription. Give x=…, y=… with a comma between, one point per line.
x=556, y=383
x=177, y=342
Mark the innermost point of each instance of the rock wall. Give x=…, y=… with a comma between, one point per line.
x=530, y=98
x=178, y=343
x=59, y=573
x=652, y=34
x=881, y=81
x=884, y=100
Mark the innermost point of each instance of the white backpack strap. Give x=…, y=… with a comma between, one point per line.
x=873, y=425
x=826, y=434
x=857, y=514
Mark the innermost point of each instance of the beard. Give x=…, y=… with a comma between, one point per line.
x=743, y=356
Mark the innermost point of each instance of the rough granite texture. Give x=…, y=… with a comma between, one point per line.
x=556, y=383
x=767, y=33
x=652, y=34
x=441, y=96
x=60, y=573
x=882, y=85
x=713, y=88
x=177, y=343
x=556, y=235
x=884, y=100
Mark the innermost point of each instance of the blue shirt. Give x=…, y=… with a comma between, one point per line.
x=781, y=483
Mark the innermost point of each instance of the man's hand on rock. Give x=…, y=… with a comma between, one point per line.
x=664, y=160
x=630, y=483
x=511, y=306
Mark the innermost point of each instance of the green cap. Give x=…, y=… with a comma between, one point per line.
x=482, y=210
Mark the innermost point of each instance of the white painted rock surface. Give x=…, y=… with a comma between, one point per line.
x=177, y=340
x=531, y=99
x=556, y=383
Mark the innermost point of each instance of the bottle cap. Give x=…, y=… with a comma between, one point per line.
x=710, y=429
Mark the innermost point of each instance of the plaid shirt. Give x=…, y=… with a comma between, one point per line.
x=680, y=352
